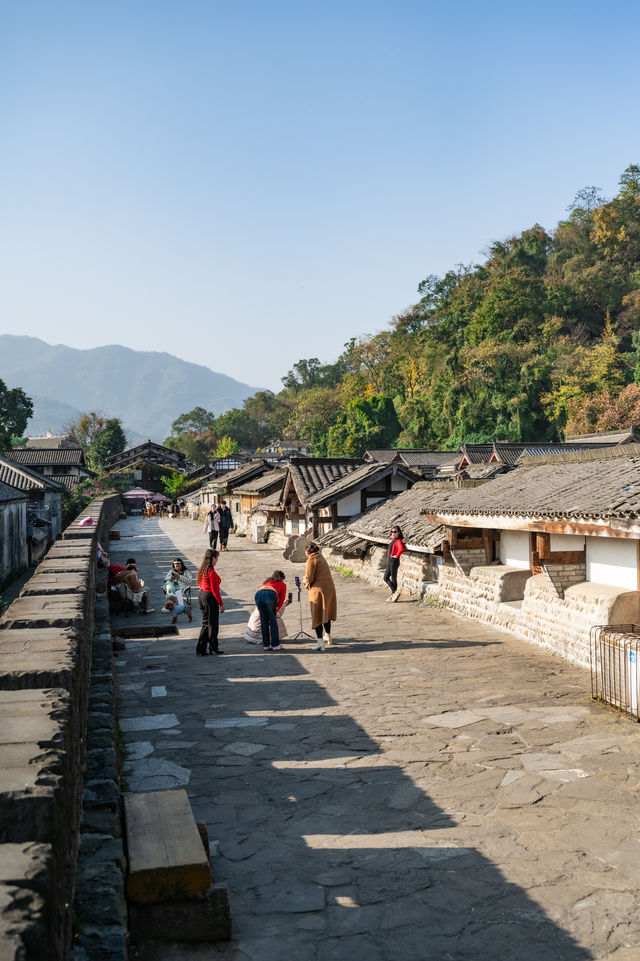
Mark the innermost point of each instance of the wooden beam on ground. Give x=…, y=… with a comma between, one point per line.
x=167, y=860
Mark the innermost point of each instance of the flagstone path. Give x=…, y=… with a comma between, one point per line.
x=428, y=789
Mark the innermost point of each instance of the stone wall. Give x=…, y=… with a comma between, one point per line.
x=560, y=624
x=509, y=597
x=561, y=576
x=45, y=653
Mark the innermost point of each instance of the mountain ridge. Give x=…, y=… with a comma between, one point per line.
x=146, y=389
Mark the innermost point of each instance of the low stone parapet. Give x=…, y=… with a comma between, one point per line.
x=37, y=797
x=45, y=651
x=27, y=880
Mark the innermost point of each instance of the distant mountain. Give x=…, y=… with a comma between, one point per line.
x=146, y=389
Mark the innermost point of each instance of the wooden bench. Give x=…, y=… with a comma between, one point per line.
x=170, y=879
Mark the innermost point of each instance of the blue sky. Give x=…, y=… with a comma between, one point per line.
x=247, y=184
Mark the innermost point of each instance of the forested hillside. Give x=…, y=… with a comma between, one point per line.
x=540, y=339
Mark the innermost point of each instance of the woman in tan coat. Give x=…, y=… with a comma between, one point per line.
x=322, y=595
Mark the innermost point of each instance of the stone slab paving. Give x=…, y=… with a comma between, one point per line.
x=428, y=789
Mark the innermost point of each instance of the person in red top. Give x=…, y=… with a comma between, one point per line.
x=395, y=550
x=271, y=597
x=211, y=604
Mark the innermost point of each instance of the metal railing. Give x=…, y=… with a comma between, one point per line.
x=615, y=662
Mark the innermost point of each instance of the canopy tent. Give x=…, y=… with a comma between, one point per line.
x=161, y=499
x=138, y=493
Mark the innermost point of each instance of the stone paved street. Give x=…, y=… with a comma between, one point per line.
x=428, y=789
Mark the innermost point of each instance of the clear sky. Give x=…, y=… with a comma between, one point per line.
x=245, y=184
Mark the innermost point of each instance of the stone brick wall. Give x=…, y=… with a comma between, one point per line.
x=561, y=576
x=510, y=598
x=45, y=652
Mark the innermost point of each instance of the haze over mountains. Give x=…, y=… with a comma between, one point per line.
x=146, y=389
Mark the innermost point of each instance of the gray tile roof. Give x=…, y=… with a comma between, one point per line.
x=311, y=475
x=590, y=484
x=624, y=436
x=262, y=483
x=47, y=457
x=241, y=475
x=414, y=457
x=24, y=479
x=10, y=494
x=404, y=511
x=356, y=480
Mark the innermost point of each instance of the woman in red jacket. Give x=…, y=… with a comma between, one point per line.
x=211, y=604
x=271, y=597
x=395, y=550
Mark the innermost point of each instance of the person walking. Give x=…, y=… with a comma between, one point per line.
x=211, y=604
x=322, y=595
x=395, y=550
x=226, y=523
x=212, y=527
x=270, y=599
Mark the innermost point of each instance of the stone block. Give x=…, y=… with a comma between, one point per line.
x=23, y=926
x=74, y=582
x=167, y=861
x=206, y=918
x=56, y=610
x=40, y=658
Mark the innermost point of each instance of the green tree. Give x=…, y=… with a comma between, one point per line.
x=173, y=484
x=226, y=447
x=196, y=421
x=15, y=410
x=106, y=442
x=368, y=422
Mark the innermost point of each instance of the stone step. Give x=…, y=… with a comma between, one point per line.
x=167, y=860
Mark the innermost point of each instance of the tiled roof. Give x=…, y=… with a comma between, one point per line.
x=62, y=440
x=591, y=484
x=356, y=480
x=405, y=511
x=271, y=503
x=263, y=483
x=149, y=447
x=414, y=457
x=9, y=494
x=241, y=475
x=68, y=481
x=623, y=436
x=24, y=479
x=311, y=475
x=47, y=457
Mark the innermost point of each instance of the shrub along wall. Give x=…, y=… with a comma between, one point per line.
x=45, y=654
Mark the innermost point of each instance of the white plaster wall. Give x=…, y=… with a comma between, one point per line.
x=567, y=542
x=350, y=505
x=612, y=560
x=399, y=483
x=514, y=548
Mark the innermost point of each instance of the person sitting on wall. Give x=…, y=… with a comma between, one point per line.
x=140, y=595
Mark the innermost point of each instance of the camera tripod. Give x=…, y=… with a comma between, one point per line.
x=301, y=632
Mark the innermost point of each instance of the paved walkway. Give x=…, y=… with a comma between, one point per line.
x=429, y=789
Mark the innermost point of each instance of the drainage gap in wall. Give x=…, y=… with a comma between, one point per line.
x=145, y=631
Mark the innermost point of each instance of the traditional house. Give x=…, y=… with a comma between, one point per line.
x=548, y=550
x=321, y=492
x=63, y=465
x=427, y=463
x=246, y=497
x=147, y=453
x=14, y=551
x=45, y=501
x=218, y=487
